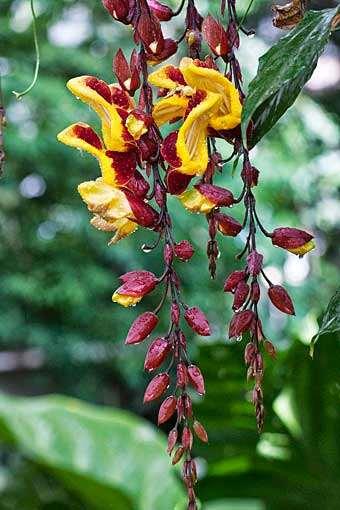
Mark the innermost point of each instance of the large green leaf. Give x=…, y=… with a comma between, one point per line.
x=283, y=71
x=108, y=458
x=330, y=321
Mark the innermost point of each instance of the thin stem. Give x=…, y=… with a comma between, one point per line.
x=244, y=17
x=19, y=95
x=180, y=8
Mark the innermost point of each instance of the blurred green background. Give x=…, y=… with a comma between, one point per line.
x=60, y=333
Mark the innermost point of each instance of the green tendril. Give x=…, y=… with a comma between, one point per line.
x=19, y=95
x=245, y=15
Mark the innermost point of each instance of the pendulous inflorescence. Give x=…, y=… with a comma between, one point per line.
x=141, y=169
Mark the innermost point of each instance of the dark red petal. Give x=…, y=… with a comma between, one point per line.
x=286, y=237
x=241, y=294
x=141, y=328
x=215, y=36
x=219, y=196
x=87, y=134
x=163, y=12
x=138, y=185
x=124, y=164
x=227, y=225
x=233, y=280
x=177, y=182
x=100, y=86
x=143, y=213
x=169, y=151
x=183, y=250
x=137, y=283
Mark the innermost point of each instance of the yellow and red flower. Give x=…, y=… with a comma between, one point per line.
x=202, y=198
x=117, y=198
x=205, y=99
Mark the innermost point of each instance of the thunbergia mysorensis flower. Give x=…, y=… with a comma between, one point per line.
x=139, y=165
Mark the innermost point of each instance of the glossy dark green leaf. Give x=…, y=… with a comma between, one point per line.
x=108, y=458
x=283, y=71
x=331, y=320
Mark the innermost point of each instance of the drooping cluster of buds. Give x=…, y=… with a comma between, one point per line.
x=139, y=165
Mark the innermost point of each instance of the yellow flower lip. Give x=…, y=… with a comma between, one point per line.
x=125, y=300
x=195, y=202
x=170, y=108
x=303, y=249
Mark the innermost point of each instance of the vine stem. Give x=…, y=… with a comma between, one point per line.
x=19, y=95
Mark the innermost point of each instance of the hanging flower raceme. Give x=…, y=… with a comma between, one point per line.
x=117, y=198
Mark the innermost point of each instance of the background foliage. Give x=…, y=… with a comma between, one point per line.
x=60, y=333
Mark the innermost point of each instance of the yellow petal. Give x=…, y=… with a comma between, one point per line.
x=135, y=126
x=191, y=143
x=305, y=248
x=105, y=200
x=170, y=108
x=83, y=137
x=195, y=202
x=165, y=77
x=125, y=300
x=114, y=133
x=203, y=78
x=122, y=227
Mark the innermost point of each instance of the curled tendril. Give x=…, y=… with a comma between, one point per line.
x=20, y=95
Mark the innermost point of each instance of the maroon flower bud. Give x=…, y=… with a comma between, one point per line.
x=184, y=250
x=250, y=175
x=187, y=438
x=233, y=280
x=175, y=313
x=157, y=352
x=221, y=197
x=258, y=363
x=177, y=182
x=215, y=36
x=281, y=299
x=196, y=379
x=182, y=375
x=200, y=431
x=187, y=406
x=172, y=439
x=233, y=36
x=240, y=323
x=120, y=10
x=127, y=74
x=141, y=328
x=148, y=30
x=227, y=225
x=270, y=348
x=241, y=294
x=167, y=409
x=182, y=340
x=294, y=240
x=168, y=254
x=257, y=395
x=255, y=292
x=156, y=387
x=249, y=353
x=163, y=12
x=254, y=263
x=178, y=455
x=137, y=283
x=197, y=321
x=180, y=408
x=159, y=195
x=169, y=48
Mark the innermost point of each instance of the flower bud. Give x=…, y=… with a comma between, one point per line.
x=178, y=455
x=183, y=250
x=197, y=321
x=182, y=375
x=294, y=240
x=240, y=323
x=196, y=379
x=187, y=406
x=141, y=328
x=175, y=313
x=127, y=74
x=163, y=12
x=220, y=197
x=241, y=294
x=250, y=175
x=167, y=409
x=187, y=438
x=233, y=280
x=254, y=262
x=168, y=254
x=156, y=387
x=227, y=225
x=270, y=348
x=119, y=9
x=255, y=292
x=215, y=36
x=177, y=182
x=172, y=439
x=249, y=353
x=157, y=352
x=281, y=299
x=200, y=431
